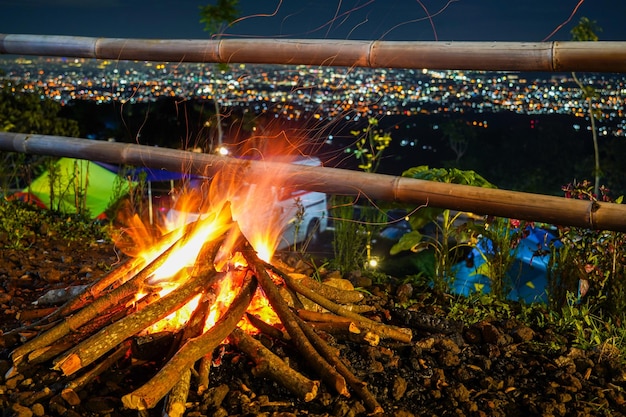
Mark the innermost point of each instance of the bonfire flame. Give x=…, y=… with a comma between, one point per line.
x=231, y=206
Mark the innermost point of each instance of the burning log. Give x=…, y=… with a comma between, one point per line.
x=99, y=305
x=100, y=343
x=148, y=395
x=265, y=328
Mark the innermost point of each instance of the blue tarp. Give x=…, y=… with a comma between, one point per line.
x=527, y=277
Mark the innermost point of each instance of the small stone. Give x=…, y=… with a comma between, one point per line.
x=523, y=334
x=399, y=388
x=38, y=410
x=85, y=270
x=53, y=275
x=21, y=411
x=491, y=334
x=404, y=292
x=339, y=283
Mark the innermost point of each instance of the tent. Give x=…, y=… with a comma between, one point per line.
x=99, y=180
x=527, y=277
x=76, y=176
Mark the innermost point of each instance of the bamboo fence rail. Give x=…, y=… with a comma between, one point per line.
x=557, y=56
x=409, y=191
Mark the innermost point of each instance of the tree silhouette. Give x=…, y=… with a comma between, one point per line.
x=217, y=18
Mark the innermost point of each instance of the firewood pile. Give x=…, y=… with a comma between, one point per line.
x=107, y=321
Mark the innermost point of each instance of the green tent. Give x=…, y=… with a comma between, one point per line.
x=78, y=182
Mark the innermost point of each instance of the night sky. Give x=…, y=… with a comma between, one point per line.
x=451, y=20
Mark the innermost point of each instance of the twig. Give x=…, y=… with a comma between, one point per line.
x=102, y=366
x=330, y=355
x=289, y=320
x=399, y=334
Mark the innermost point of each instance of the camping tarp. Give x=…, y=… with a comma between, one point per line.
x=527, y=277
x=76, y=176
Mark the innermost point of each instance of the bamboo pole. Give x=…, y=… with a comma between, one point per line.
x=409, y=191
x=607, y=56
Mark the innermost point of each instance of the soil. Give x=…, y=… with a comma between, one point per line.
x=494, y=367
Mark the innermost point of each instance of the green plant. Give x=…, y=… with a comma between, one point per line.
x=352, y=241
x=503, y=236
x=589, y=263
x=478, y=307
x=370, y=145
x=349, y=240
x=80, y=188
x=21, y=224
x=450, y=234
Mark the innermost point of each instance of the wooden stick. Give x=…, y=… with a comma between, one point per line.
x=330, y=355
x=177, y=398
x=270, y=365
x=99, y=305
x=408, y=191
x=204, y=370
x=399, y=334
x=608, y=56
x=265, y=328
x=97, y=345
x=337, y=295
x=148, y=395
x=289, y=320
x=87, y=377
x=320, y=317
x=337, y=328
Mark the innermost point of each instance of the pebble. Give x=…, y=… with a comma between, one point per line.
x=21, y=411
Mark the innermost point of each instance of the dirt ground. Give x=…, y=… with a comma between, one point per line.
x=495, y=367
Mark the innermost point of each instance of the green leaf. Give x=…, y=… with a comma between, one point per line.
x=412, y=241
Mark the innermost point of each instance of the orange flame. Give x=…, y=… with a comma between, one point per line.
x=230, y=198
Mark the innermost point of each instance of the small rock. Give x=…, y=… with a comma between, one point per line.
x=21, y=411
x=339, y=283
x=85, y=270
x=404, y=292
x=399, y=388
x=215, y=396
x=491, y=334
x=38, y=410
x=53, y=275
x=473, y=336
x=5, y=298
x=523, y=334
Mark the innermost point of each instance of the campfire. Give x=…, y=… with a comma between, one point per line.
x=207, y=280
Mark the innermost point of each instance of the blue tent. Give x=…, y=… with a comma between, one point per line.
x=527, y=276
